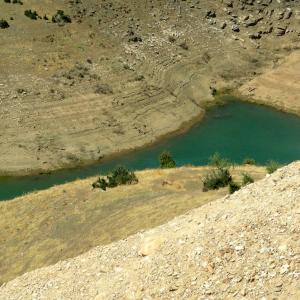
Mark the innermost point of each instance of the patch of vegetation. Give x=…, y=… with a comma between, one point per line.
x=247, y=178
x=184, y=45
x=60, y=17
x=33, y=15
x=166, y=160
x=3, y=24
x=216, y=179
x=103, y=89
x=233, y=187
x=218, y=161
x=272, y=166
x=14, y=1
x=119, y=176
x=249, y=161
x=172, y=39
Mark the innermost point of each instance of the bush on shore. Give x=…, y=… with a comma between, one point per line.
x=216, y=179
x=247, y=178
x=119, y=176
x=218, y=161
x=249, y=161
x=272, y=166
x=166, y=161
x=233, y=187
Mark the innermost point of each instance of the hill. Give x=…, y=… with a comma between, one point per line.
x=41, y=228
x=243, y=246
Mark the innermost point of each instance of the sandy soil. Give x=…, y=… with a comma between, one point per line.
x=279, y=86
x=124, y=73
x=42, y=228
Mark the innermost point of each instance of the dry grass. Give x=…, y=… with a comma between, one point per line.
x=44, y=227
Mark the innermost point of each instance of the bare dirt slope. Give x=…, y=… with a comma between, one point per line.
x=279, y=86
x=124, y=73
x=244, y=246
x=42, y=228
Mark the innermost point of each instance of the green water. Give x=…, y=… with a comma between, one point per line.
x=236, y=130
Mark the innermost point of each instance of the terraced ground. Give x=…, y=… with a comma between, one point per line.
x=125, y=73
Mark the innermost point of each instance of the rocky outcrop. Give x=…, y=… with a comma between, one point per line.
x=243, y=246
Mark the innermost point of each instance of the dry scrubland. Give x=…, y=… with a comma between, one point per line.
x=243, y=246
x=124, y=73
x=119, y=76
x=42, y=228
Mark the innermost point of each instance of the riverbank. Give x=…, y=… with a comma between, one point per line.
x=94, y=95
x=41, y=228
x=239, y=246
x=278, y=86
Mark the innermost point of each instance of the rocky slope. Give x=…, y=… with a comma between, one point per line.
x=243, y=246
x=124, y=73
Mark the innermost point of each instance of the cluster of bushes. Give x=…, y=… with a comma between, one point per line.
x=220, y=175
x=3, y=24
x=33, y=15
x=119, y=176
x=60, y=17
x=14, y=1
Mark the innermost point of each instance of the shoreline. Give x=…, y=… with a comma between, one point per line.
x=185, y=127
x=244, y=91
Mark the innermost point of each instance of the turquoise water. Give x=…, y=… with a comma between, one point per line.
x=236, y=130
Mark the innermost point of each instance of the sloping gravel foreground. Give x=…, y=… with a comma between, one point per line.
x=243, y=246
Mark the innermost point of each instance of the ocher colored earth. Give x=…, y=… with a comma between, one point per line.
x=125, y=73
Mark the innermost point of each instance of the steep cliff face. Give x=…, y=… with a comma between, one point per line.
x=124, y=73
x=245, y=245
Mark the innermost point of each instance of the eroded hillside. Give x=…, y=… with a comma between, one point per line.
x=124, y=73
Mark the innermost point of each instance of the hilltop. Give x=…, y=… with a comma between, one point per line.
x=243, y=246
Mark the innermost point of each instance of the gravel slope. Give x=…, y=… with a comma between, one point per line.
x=244, y=246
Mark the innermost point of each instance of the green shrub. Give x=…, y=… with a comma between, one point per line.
x=233, y=187
x=247, y=179
x=17, y=2
x=272, y=166
x=7, y=1
x=166, y=161
x=60, y=17
x=218, y=161
x=249, y=161
x=3, y=24
x=119, y=176
x=100, y=183
x=216, y=179
x=31, y=14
